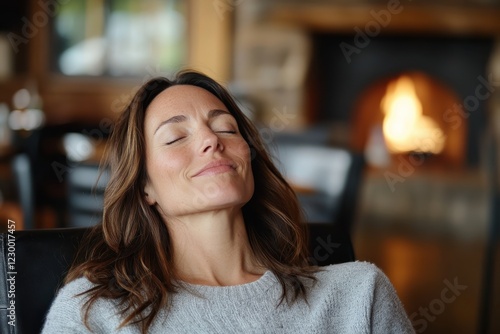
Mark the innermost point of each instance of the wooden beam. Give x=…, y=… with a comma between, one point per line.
x=408, y=19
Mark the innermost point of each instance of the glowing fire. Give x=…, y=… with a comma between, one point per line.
x=405, y=127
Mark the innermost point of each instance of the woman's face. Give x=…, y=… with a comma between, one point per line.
x=196, y=159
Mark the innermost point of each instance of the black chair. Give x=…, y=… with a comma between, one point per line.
x=23, y=179
x=327, y=179
x=47, y=168
x=329, y=244
x=86, y=187
x=42, y=259
x=43, y=169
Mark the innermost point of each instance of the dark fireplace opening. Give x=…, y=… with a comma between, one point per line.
x=455, y=69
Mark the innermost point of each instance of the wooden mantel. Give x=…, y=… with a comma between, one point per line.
x=451, y=20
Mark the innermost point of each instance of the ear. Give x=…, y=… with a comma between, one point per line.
x=149, y=194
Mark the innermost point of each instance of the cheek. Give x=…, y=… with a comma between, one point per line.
x=242, y=150
x=164, y=169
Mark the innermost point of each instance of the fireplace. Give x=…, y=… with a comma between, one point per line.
x=446, y=77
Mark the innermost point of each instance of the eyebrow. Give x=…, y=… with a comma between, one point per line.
x=217, y=112
x=181, y=118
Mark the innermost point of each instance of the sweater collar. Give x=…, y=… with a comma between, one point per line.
x=241, y=291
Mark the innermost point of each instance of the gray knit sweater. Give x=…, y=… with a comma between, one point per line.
x=347, y=298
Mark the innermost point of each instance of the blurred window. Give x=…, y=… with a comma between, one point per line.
x=119, y=37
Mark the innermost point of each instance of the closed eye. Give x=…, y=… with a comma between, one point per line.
x=173, y=141
x=226, y=131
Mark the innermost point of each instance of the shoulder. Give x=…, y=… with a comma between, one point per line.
x=75, y=287
x=72, y=293
x=67, y=310
x=352, y=273
x=361, y=288
x=350, y=283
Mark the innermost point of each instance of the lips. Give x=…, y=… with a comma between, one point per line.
x=216, y=167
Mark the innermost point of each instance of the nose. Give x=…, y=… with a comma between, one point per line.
x=210, y=141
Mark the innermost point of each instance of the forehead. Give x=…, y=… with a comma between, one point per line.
x=183, y=99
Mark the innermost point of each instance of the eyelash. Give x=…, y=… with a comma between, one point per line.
x=173, y=141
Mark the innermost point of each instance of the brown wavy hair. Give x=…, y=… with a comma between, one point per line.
x=128, y=257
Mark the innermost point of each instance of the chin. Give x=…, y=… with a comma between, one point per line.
x=225, y=199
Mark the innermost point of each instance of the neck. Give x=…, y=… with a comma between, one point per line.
x=213, y=249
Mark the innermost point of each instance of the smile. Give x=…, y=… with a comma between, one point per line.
x=216, y=167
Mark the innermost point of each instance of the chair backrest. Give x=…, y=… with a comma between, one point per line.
x=85, y=194
x=42, y=170
x=329, y=244
x=327, y=180
x=42, y=259
x=23, y=177
x=31, y=277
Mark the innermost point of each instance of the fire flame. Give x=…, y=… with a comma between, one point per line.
x=405, y=127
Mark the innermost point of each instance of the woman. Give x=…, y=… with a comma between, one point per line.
x=201, y=234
